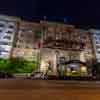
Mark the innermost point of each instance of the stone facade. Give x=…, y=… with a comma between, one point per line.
x=27, y=40
x=60, y=40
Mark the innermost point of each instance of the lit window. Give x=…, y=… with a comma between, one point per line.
x=30, y=31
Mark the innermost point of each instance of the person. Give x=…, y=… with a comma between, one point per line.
x=48, y=68
x=49, y=65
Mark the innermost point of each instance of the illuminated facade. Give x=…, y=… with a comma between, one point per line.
x=27, y=40
x=64, y=41
x=54, y=44
x=8, y=29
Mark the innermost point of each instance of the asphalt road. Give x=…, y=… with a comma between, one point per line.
x=16, y=89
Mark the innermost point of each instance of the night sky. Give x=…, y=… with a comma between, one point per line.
x=82, y=13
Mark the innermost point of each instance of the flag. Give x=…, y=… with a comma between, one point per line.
x=44, y=17
x=65, y=20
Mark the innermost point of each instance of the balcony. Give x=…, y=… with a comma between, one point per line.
x=67, y=45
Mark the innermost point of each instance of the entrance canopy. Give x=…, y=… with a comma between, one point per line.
x=75, y=61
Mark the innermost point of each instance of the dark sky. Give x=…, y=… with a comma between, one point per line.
x=78, y=12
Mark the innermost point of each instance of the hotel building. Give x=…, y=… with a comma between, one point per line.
x=64, y=43
x=56, y=45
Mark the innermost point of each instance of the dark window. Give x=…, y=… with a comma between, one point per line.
x=96, y=38
x=1, y=25
x=97, y=42
x=18, y=46
x=0, y=31
x=4, y=43
x=99, y=52
x=28, y=40
x=11, y=26
x=21, y=41
x=22, y=35
x=27, y=46
x=98, y=47
x=9, y=32
x=29, y=35
x=23, y=30
x=7, y=37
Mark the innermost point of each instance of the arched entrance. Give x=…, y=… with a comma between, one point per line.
x=73, y=68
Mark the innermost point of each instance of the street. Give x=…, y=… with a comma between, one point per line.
x=16, y=89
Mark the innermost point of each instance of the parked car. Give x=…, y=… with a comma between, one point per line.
x=2, y=74
x=36, y=75
x=6, y=75
x=52, y=77
x=9, y=75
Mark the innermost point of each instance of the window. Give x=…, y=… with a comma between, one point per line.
x=29, y=35
x=22, y=35
x=9, y=32
x=98, y=47
x=1, y=31
x=7, y=37
x=30, y=31
x=96, y=37
x=18, y=46
x=97, y=42
x=20, y=41
x=11, y=26
x=23, y=30
x=99, y=52
x=5, y=43
x=58, y=36
x=27, y=46
x=1, y=25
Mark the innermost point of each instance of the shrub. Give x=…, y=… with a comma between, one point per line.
x=17, y=65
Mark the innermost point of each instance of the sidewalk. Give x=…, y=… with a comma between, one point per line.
x=23, y=75
x=38, y=84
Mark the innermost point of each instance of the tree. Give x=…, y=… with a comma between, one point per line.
x=95, y=69
x=17, y=65
x=4, y=65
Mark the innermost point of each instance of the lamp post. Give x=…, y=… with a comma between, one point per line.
x=57, y=59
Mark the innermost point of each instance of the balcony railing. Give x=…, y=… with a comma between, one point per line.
x=67, y=46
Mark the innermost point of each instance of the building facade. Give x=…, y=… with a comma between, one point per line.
x=62, y=41
x=95, y=34
x=56, y=45
x=27, y=40
x=8, y=29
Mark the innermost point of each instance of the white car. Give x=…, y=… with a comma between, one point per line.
x=37, y=75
